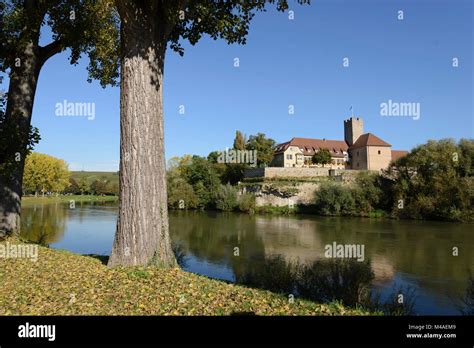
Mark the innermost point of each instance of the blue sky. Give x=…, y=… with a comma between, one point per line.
x=287, y=62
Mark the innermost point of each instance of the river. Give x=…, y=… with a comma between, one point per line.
x=407, y=254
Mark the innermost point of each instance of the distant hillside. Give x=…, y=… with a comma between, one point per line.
x=90, y=177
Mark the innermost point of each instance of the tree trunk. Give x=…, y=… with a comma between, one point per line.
x=142, y=235
x=21, y=95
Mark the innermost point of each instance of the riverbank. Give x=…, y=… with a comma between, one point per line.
x=64, y=283
x=67, y=199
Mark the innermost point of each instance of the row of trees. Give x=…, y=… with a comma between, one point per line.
x=96, y=187
x=205, y=183
x=434, y=181
x=46, y=174
x=195, y=182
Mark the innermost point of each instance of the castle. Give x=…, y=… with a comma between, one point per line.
x=358, y=150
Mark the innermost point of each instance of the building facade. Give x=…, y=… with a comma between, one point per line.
x=358, y=150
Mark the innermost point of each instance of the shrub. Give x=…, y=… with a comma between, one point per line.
x=366, y=192
x=226, y=198
x=334, y=199
x=392, y=305
x=180, y=191
x=247, y=202
x=348, y=281
x=270, y=273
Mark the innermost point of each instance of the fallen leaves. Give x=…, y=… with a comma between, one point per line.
x=46, y=287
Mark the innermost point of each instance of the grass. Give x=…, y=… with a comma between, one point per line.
x=276, y=210
x=67, y=199
x=63, y=283
x=90, y=177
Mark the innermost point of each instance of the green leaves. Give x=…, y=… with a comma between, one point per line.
x=435, y=181
x=323, y=156
x=264, y=147
x=84, y=26
x=228, y=20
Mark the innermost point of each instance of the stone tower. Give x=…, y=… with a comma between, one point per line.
x=353, y=129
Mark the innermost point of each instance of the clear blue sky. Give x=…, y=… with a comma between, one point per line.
x=285, y=62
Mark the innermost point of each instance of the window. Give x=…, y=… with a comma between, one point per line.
x=289, y=156
x=357, y=153
x=379, y=152
x=357, y=164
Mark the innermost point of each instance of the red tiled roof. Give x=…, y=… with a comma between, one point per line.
x=310, y=146
x=368, y=139
x=396, y=154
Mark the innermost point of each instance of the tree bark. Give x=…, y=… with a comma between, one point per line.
x=142, y=235
x=21, y=95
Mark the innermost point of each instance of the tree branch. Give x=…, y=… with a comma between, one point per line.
x=50, y=50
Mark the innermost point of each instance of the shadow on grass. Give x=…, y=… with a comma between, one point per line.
x=177, y=250
x=102, y=258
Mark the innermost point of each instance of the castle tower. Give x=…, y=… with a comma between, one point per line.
x=353, y=129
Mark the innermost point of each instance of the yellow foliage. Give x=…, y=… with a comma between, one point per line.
x=44, y=173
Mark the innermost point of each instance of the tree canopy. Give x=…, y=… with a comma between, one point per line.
x=44, y=173
x=323, y=157
x=435, y=181
x=264, y=147
x=83, y=26
x=239, y=141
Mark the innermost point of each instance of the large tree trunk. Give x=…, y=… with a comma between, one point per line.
x=142, y=236
x=21, y=95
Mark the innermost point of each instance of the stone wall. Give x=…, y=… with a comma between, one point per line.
x=295, y=172
x=254, y=172
x=290, y=172
x=283, y=195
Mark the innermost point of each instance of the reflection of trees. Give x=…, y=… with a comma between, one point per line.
x=43, y=223
x=325, y=280
x=212, y=236
x=423, y=248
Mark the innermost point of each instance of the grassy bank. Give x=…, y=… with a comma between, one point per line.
x=67, y=199
x=63, y=283
x=90, y=177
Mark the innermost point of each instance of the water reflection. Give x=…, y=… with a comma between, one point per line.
x=44, y=224
x=403, y=254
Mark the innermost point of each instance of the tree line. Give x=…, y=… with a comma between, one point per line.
x=196, y=182
x=434, y=181
x=48, y=175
